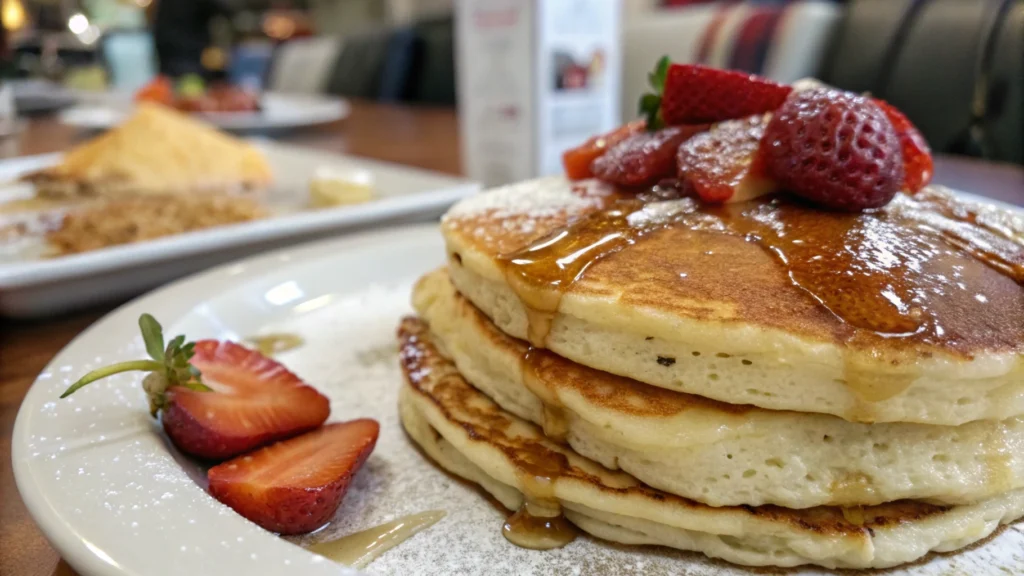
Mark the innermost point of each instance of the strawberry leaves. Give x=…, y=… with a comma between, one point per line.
x=168, y=366
x=650, y=103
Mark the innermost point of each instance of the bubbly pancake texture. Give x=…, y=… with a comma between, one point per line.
x=721, y=454
x=913, y=313
x=468, y=434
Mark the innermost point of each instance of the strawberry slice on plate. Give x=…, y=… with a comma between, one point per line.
x=576, y=161
x=218, y=399
x=255, y=401
x=917, y=156
x=723, y=165
x=295, y=486
x=696, y=94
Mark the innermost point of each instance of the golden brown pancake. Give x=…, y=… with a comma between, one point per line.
x=910, y=313
x=470, y=435
x=718, y=453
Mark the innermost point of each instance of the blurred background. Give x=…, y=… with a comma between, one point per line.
x=955, y=67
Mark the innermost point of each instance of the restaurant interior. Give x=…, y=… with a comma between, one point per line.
x=233, y=167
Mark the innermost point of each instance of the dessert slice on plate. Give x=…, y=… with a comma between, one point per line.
x=157, y=151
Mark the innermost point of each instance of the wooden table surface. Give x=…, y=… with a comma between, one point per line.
x=422, y=137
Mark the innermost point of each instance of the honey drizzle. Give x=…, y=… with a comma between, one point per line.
x=361, y=548
x=882, y=272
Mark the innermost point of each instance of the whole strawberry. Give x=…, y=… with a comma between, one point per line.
x=835, y=148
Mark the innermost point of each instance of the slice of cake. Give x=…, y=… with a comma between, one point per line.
x=157, y=151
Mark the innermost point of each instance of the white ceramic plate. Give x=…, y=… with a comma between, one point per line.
x=280, y=112
x=116, y=499
x=34, y=287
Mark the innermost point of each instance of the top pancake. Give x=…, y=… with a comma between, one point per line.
x=910, y=313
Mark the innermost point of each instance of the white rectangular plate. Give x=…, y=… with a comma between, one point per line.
x=43, y=287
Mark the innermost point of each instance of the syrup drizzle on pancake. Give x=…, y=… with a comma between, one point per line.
x=539, y=523
x=555, y=423
x=540, y=464
x=894, y=273
x=528, y=529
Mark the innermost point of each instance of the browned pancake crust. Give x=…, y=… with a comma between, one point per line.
x=598, y=388
x=435, y=378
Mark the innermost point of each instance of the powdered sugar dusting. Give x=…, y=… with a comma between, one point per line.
x=505, y=218
x=351, y=355
x=541, y=198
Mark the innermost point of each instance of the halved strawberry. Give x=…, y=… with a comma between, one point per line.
x=295, y=486
x=219, y=399
x=695, y=94
x=256, y=401
x=917, y=156
x=643, y=159
x=577, y=160
x=723, y=165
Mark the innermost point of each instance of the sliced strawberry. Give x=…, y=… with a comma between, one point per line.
x=643, y=159
x=577, y=160
x=696, y=94
x=917, y=156
x=218, y=399
x=834, y=148
x=722, y=165
x=255, y=401
x=297, y=485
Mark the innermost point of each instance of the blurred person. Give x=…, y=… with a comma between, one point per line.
x=181, y=32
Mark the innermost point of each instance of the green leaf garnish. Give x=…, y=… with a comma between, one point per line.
x=650, y=103
x=657, y=76
x=153, y=336
x=168, y=367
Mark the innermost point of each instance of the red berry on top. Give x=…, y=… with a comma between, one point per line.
x=577, y=160
x=723, y=165
x=834, y=148
x=698, y=94
x=917, y=156
x=643, y=159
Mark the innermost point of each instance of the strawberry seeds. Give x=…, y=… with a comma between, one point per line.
x=836, y=149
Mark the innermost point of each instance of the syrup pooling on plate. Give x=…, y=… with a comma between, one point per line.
x=899, y=272
x=361, y=548
x=270, y=344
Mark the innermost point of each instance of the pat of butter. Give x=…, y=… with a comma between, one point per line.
x=334, y=187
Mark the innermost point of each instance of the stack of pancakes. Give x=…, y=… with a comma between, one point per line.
x=762, y=382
